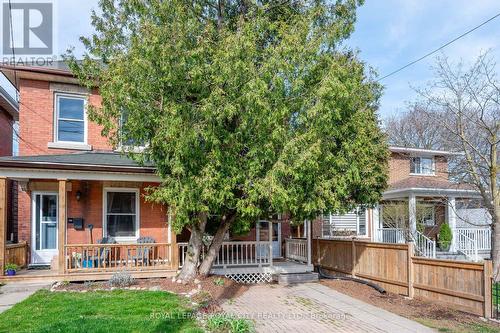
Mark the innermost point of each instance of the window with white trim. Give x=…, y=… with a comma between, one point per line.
x=350, y=224
x=121, y=213
x=422, y=165
x=70, y=124
x=427, y=214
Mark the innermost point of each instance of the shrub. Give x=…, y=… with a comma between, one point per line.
x=225, y=323
x=121, y=280
x=445, y=236
x=219, y=281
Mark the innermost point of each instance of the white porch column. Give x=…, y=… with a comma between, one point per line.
x=270, y=242
x=452, y=221
x=376, y=222
x=309, y=242
x=412, y=213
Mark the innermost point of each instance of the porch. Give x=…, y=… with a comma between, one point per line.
x=418, y=215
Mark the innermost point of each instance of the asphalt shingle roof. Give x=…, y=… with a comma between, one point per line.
x=107, y=159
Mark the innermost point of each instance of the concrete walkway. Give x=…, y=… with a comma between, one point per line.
x=313, y=307
x=16, y=292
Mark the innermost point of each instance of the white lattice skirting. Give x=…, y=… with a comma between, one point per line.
x=250, y=278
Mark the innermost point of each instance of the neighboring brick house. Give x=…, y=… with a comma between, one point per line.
x=9, y=114
x=420, y=197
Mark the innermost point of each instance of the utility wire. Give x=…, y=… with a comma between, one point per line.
x=440, y=48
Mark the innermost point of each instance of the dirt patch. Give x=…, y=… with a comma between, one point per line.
x=212, y=290
x=428, y=313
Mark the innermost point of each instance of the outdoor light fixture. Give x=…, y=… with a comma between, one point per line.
x=78, y=195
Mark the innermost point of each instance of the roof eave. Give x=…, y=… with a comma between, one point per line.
x=430, y=152
x=75, y=166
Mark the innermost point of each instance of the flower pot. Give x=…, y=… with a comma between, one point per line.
x=10, y=272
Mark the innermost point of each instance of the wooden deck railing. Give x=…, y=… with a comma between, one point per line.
x=296, y=249
x=114, y=257
x=16, y=254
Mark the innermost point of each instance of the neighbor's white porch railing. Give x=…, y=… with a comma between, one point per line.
x=390, y=235
x=482, y=236
x=424, y=246
x=182, y=253
x=235, y=254
x=296, y=249
x=466, y=245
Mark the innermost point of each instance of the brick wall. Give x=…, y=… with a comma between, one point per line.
x=399, y=167
x=36, y=120
x=153, y=217
x=6, y=123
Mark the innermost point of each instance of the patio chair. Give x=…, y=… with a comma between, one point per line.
x=93, y=261
x=142, y=252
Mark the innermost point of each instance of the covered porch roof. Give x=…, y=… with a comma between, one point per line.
x=429, y=187
x=95, y=165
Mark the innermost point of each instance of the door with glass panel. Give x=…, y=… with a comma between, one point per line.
x=44, y=227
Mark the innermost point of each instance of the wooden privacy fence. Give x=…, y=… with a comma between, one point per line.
x=16, y=254
x=463, y=285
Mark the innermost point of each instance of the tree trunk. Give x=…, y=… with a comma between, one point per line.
x=495, y=245
x=190, y=268
x=214, y=248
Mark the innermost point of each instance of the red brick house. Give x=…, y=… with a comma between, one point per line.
x=419, y=199
x=77, y=194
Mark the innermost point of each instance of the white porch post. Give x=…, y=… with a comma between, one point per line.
x=376, y=223
x=452, y=222
x=309, y=242
x=412, y=213
x=270, y=243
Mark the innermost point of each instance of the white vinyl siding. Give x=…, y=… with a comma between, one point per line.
x=353, y=223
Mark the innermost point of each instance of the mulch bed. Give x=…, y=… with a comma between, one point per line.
x=415, y=309
x=211, y=290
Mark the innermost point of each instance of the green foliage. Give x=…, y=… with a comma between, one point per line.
x=102, y=311
x=256, y=111
x=445, y=235
x=225, y=323
x=219, y=281
x=12, y=267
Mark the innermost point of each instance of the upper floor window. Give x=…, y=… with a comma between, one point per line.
x=70, y=119
x=422, y=165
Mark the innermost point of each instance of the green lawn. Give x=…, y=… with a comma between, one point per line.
x=102, y=311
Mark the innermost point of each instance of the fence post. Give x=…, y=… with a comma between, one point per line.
x=411, y=249
x=353, y=270
x=487, y=276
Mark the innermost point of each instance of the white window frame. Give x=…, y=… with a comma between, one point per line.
x=57, y=118
x=420, y=173
x=105, y=192
x=433, y=209
x=358, y=219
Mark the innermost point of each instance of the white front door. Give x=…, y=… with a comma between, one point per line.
x=44, y=227
x=263, y=236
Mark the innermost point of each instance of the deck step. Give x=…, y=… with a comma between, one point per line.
x=297, y=278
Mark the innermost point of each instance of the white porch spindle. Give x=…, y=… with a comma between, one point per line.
x=452, y=222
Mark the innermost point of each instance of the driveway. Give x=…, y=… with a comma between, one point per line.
x=312, y=307
x=16, y=292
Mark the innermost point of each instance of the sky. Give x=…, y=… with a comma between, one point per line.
x=388, y=35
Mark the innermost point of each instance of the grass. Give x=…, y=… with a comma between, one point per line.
x=100, y=311
x=225, y=323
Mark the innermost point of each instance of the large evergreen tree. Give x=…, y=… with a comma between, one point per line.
x=247, y=108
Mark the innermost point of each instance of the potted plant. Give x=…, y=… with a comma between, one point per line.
x=10, y=269
x=445, y=237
